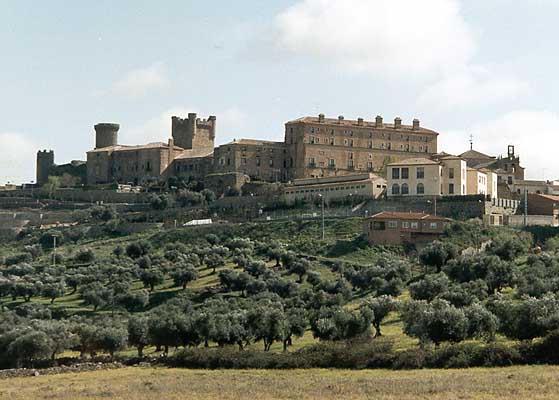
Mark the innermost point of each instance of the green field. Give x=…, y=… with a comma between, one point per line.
x=534, y=383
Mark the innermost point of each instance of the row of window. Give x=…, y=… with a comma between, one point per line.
x=385, y=135
x=380, y=225
x=404, y=173
x=385, y=146
x=405, y=189
x=322, y=190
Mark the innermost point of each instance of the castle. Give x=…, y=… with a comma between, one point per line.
x=313, y=147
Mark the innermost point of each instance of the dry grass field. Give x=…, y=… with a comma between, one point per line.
x=533, y=383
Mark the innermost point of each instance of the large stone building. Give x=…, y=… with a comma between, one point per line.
x=313, y=147
x=321, y=147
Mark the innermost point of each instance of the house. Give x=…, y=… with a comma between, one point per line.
x=445, y=175
x=396, y=228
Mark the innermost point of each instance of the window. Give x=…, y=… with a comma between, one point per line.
x=392, y=224
x=331, y=163
x=405, y=173
x=331, y=141
x=312, y=162
x=350, y=163
x=405, y=189
x=257, y=161
x=370, y=144
x=395, y=189
x=405, y=224
x=243, y=161
x=451, y=188
x=271, y=162
x=420, y=188
x=414, y=225
x=311, y=139
x=395, y=173
x=434, y=225
x=369, y=165
x=420, y=172
x=451, y=173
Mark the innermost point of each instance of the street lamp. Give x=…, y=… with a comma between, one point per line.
x=322, y=201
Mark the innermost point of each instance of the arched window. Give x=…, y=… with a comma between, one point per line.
x=405, y=188
x=420, y=188
x=395, y=189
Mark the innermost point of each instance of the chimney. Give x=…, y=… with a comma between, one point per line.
x=340, y=119
x=378, y=122
x=360, y=121
x=416, y=124
x=397, y=123
x=320, y=117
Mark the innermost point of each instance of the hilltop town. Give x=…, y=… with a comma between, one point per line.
x=384, y=166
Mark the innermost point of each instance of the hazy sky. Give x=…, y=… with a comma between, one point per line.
x=481, y=67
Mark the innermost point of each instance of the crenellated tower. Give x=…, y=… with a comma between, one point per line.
x=194, y=133
x=45, y=163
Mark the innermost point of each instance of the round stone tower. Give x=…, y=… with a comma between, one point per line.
x=106, y=134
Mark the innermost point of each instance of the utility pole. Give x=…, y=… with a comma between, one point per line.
x=525, y=207
x=54, y=251
x=322, y=199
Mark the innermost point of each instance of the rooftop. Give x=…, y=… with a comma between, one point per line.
x=154, y=145
x=473, y=154
x=406, y=216
x=254, y=142
x=356, y=124
x=415, y=161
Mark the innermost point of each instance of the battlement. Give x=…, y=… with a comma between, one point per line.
x=45, y=153
x=194, y=132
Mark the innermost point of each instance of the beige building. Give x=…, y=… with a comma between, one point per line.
x=441, y=176
x=366, y=185
x=476, y=182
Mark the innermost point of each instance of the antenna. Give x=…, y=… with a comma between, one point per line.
x=471, y=142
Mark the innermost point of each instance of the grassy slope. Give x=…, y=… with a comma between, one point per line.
x=302, y=237
x=535, y=383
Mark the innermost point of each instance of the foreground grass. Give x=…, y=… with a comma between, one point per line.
x=534, y=382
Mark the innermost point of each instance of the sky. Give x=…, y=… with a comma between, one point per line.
x=485, y=68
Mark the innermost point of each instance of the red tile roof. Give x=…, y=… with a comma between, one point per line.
x=407, y=216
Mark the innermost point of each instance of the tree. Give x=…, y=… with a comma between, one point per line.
x=160, y=201
x=137, y=249
x=335, y=323
x=138, y=333
x=429, y=287
x=380, y=308
x=30, y=346
x=151, y=278
x=186, y=198
x=213, y=261
x=51, y=186
x=510, y=247
x=295, y=324
x=133, y=300
x=299, y=267
x=103, y=213
x=53, y=290
x=438, y=321
x=184, y=274
x=437, y=254
x=111, y=339
x=526, y=319
x=85, y=256
x=482, y=324
x=60, y=335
